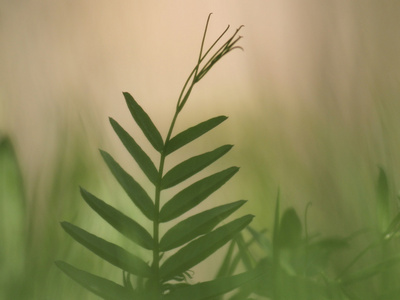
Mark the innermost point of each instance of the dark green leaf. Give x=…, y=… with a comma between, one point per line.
x=142, y=159
x=196, y=225
x=125, y=225
x=137, y=194
x=110, y=252
x=383, y=201
x=192, y=133
x=144, y=122
x=102, y=287
x=191, y=166
x=201, y=248
x=290, y=229
x=214, y=288
x=194, y=194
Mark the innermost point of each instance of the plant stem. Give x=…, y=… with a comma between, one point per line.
x=156, y=222
x=194, y=77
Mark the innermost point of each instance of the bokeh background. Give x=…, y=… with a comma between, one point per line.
x=313, y=106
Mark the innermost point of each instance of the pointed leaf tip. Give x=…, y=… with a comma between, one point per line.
x=143, y=120
x=192, y=166
x=197, y=225
x=195, y=194
x=133, y=189
x=201, y=248
x=125, y=225
x=110, y=252
x=192, y=133
x=142, y=159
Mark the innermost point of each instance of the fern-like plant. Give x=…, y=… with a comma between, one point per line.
x=164, y=277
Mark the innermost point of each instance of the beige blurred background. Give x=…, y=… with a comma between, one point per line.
x=312, y=100
x=313, y=106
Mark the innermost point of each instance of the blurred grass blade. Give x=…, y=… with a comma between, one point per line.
x=13, y=221
x=215, y=288
x=223, y=270
x=261, y=239
x=197, y=225
x=201, y=248
x=191, y=166
x=110, y=252
x=275, y=235
x=142, y=159
x=194, y=194
x=289, y=229
x=102, y=287
x=137, y=194
x=192, y=133
x=371, y=271
x=244, y=253
x=383, y=201
x=125, y=225
x=393, y=228
x=145, y=123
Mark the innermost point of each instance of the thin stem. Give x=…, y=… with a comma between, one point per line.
x=193, y=78
x=156, y=222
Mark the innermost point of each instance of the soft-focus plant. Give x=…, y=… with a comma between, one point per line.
x=195, y=237
x=304, y=266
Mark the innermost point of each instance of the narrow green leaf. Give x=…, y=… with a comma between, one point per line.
x=201, y=248
x=102, y=287
x=197, y=225
x=276, y=251
x=371, y=271
x=244, y=253
x=383, y=201
x=393, y=228
x=275, y=235
x=137, y=194
x=125, y=225
x=217, y=287
x=110, y=252
x=14, y=235
x=192, y=133
x=261, y=239
x=223, y=270
x=191, y=166
x=142, y=159
x=194, y=194
x=144, y=122
x=290, y=229
x=259, y=286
